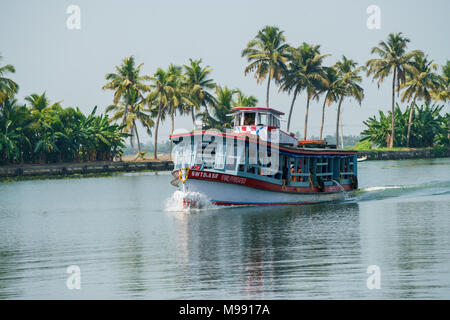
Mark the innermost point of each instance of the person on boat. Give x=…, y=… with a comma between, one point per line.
x=293, y=178
x=249, y=119
x=300, y=178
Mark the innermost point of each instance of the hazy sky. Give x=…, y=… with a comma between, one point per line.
x=71, y=64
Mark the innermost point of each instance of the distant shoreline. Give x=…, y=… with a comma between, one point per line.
x=82, y=168
x=427, y=153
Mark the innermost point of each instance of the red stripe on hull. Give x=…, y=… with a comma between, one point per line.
x=258, y=184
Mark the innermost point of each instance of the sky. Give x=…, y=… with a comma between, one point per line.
x=70, y=64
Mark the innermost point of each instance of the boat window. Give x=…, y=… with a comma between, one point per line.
x=230, y=161
x=261, y=119
x=249, y=119
x=252, y=154
x=240, y=156
x=177, y=156
x=219, y=160
x=237, y=119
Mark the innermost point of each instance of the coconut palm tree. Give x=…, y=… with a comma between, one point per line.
x=40, y=102
x=304, y=72
x=244, y=101
x=126, y=82
x=198, y=84
x=267, y=55
x=159, y=99
x=420, y=83
x=220, y=118
x=136, y=112
x=332, y=88
x=350, y=81
x=8, y=88
x=180, y=98
x=393, y=60
x=442, y=93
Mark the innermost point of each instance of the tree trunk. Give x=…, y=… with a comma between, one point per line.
x=411, y=112
x=290, y=111
x=323, y=116
x=306, y=116
x=125, y=113
x=131, y=140
x=391, y=142
x=155, y=136
x=137, y=138
x=341, y=130
x=171, y=132
x=193, y=116
x=268, y=87
x=337, y=120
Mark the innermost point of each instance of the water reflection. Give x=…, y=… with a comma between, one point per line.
x=257, y=251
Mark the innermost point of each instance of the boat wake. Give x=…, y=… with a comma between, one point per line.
x=181, y=201
x=383, y=192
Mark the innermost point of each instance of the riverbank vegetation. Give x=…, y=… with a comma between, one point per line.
x=427, y=128
x=41, y=132
x=37, y=131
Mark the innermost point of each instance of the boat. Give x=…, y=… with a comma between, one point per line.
x=257, y=163
x=360, y=159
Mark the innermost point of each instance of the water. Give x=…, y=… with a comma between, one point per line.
x=130, y=243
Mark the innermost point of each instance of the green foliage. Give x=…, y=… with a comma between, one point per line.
x=51, y=134
x=226, y=99
x=428, y=128
x=8, y=88
x=267, y=55
x=363, y=145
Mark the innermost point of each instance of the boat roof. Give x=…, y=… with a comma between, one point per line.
x=257, y=109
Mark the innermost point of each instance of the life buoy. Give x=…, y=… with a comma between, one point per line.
x=180, y=175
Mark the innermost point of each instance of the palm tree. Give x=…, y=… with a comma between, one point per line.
x=7, y=87
x=158, y=99
x=126, y=82
x=40, y=102
x=198, y=83
x=14, y=121
x=245, y=101
x=180, y=96
x=420, y=83
x=136, y=112
x=9, y=141
x=267, y=55
x=350, y=80
x=393, y=59
x=442, y=93
x=332, y=88
x=220, y=118
x=304, y=72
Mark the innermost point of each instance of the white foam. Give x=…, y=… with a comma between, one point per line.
x=381, y=188
x=175, y=202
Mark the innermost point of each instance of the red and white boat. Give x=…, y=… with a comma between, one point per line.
x=256, y=163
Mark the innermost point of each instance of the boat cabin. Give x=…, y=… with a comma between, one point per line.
x=261, y=122
x=247, y=116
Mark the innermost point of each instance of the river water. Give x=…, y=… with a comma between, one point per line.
x=130, y=242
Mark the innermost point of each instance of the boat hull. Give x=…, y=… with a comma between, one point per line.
x=220, y=193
